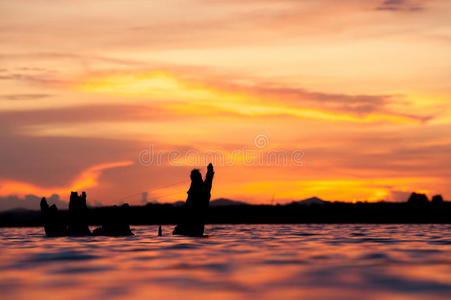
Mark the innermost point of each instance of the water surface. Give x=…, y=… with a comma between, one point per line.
x=234, y=262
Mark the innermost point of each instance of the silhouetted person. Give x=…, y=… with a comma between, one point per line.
x=78, y=222
x=160, y=232
x=53, y=225
x=193, y=221
x=116, y=222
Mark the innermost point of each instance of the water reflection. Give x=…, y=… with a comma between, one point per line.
x=237, y=261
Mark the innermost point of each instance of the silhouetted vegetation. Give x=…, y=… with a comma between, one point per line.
x=437, y=199
x=328, y=212
x=418, y=199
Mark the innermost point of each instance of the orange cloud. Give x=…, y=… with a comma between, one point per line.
x=87, y=179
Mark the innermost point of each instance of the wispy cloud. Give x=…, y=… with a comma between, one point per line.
x=400, y=5
x=24, y=96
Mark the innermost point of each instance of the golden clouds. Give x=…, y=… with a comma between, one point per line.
x=171, y=91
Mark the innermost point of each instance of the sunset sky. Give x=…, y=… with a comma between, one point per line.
x=344, y=100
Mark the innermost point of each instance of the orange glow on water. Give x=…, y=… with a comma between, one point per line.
x=261, y=261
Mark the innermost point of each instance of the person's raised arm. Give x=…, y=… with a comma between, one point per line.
x=209, y=177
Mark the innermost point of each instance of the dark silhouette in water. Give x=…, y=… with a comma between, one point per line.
x=78, y=223
x=116, y=223
x=53, y=224
x=193, y=220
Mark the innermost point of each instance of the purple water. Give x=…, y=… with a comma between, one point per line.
x=234, y=262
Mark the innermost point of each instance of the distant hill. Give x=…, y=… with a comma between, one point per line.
x=229, y=202
x=310, y=201
x=216, y=202
x=18, y=210
x=30, y=202
x=226, y=202
x=19, y=217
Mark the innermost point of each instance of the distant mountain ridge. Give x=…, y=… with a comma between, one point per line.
x=216, y=202
x=310, y=201
x=32, y=203
x=229, y=202
x=226, y=202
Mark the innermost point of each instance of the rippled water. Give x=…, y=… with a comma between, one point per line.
x=234, y=262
